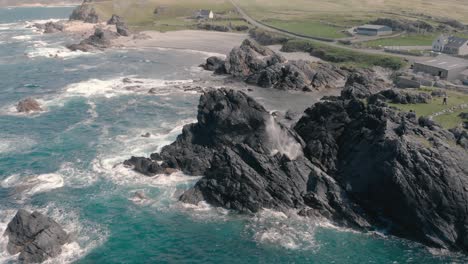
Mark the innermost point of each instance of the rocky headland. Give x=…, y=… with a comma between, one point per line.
x=355, y=162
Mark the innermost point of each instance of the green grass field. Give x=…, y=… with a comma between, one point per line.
x=308, y=28
x=176, y=15
x=448, y=120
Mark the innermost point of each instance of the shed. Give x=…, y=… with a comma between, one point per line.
x=443, y=66
x=374, y=30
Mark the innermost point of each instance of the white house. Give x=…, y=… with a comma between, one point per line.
x=204, y=14
x=450, y=45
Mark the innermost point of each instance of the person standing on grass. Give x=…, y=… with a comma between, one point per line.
x=444, y=102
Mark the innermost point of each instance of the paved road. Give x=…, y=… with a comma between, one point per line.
x=334, y=44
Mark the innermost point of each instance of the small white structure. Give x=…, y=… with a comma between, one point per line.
x=450, y=45
x=204, y=14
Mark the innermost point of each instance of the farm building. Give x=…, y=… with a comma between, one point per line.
x=204, y=14
x=446, y=67
x=374, y=30
x=450, y=45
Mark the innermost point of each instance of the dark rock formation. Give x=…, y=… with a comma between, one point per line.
x=50, y=27
x=122, y=29
x=261, y=66
x=85, y=12
x=35, y=236
x=28, y=105
x=214, y=64
x=393, y=167
x=362, y=83
x=357, y=165
x=101, y=39
x=404, y=25
x=114, y=20
x=401, y=97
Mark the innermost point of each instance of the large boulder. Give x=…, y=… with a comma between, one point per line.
x=85, y=12
x=28, y=105
x=35, y=237
x=122, y=29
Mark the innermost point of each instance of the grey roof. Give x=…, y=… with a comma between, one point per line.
x=204, y=12
x=456, y=42
x=445, y=62
x=373, y=27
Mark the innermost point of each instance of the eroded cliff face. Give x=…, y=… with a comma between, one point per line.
x=358, y=165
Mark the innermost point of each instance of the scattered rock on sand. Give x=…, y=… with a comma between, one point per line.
x=35, y=237
x=28, y=105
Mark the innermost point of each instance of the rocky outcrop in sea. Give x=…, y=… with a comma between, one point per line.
x=49, y=27
x=28, y=105
x=100, y=40
x=361, y=165
x=35, y=237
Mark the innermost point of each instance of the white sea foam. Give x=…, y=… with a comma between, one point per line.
x=27, y=186
x=282, y=141
x=286, y=230
x=23, y=37
x=14, y=144
x=41, y=50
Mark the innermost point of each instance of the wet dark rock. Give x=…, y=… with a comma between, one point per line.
x=214, y=64
x=144, y=165
x=100, y=40
x=114, y=20
x=28, y=105
x=35, y=237
x=146, y=135
x=85, y=12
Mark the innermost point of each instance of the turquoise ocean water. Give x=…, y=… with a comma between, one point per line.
x=65, y=162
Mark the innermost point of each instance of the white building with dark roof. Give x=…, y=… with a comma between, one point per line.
x=451, y=45
x=204, y=14
x=374, y=30
x=443, y=66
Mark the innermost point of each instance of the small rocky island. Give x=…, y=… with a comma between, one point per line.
x=351, y=159
x=35, y=237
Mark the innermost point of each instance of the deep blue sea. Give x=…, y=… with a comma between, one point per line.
x=66, y=163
